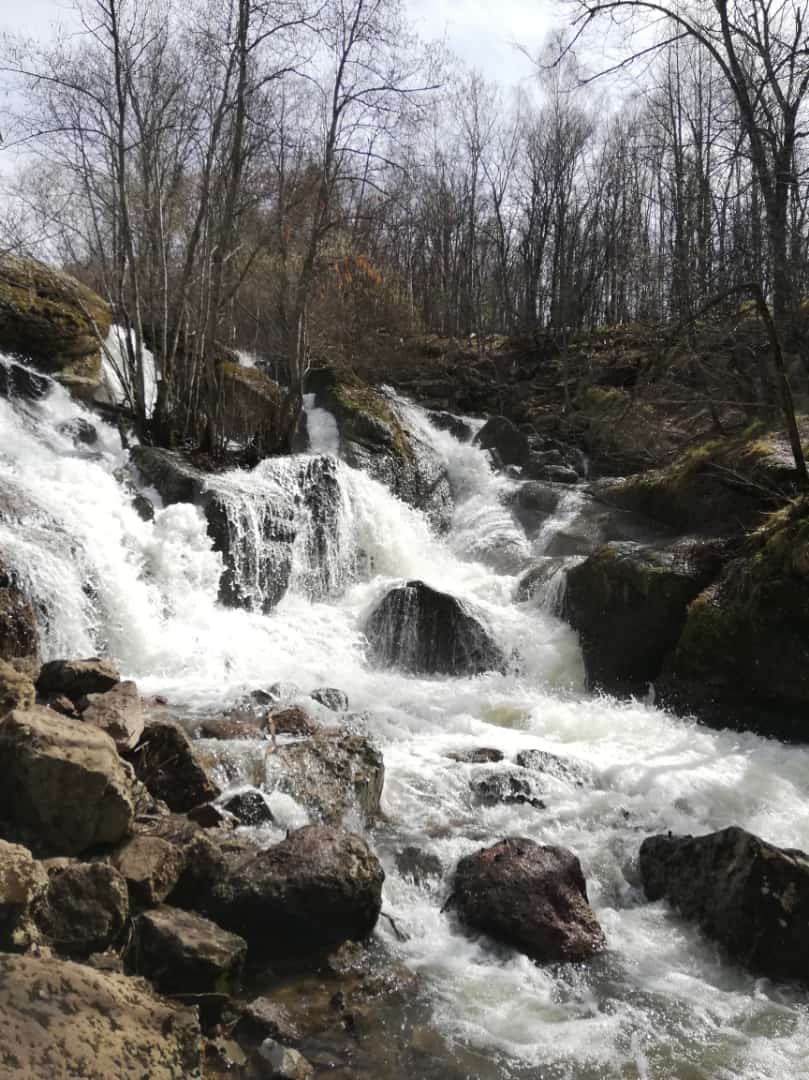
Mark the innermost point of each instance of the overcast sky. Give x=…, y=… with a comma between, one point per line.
x=480, y=32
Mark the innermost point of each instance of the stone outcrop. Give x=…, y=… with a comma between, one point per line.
x=183, y=953
x=750, y=896
x=64, y=787
x=66, y=1019
x=530, y=896
x=416, y=628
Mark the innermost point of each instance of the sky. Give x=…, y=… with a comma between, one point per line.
x=482, y=33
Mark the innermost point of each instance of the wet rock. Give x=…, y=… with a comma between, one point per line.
x=547, y=581
x=16, y=689
x=416, y=628
x=506, y=787
x=332, y=774
x=231, y=727
x=455, y=425
x=419, y=866
x=151, y=868
x=64, y=786
x=143, y=507
x=183, y=953
x=750, y=896
x=77, y=678
x=317, y=888
x=331, y=698
x=277, y=1062
x=478, y=755
x=18, y=626
x=291, y=721
x=558, y=474
x=23, y=880
x=80, y=431
x=207, y=816
x=564, y=769
x=17, y=381
x=262, y=1018
x=530, y=896
x=506, y=440
x=118, y=712
x=66, y=1019
x=628, y=602
x=165, y=762
x=250, y=807
x=84, y=909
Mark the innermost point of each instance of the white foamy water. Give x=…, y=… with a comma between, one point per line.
x=660, y=1004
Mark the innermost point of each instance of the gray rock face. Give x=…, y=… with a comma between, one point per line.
x=416, y=628
x=151, y=867
x=66, y=1019
x=165, y=762
x=64, y=786
x=183, y=953
x=529, y=896
x=317, y=888
x=628, y=602
x=332, y=774
x=22, y=881
x=249, y=807
x=77, y=678
x=508, y=443
x=118, y=712
x=84, y=909
x=750, y=896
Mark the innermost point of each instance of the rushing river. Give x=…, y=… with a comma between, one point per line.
x=660, y=1003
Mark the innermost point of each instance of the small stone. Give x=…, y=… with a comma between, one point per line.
x=207, y=816
x=419, y=866
x=332, y=698
x=292, y=721
x=183, y=953
x=506, y=787
x=281, y=1063
x=250, y=807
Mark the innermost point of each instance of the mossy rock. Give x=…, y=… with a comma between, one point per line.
x=49, y=318
x=742, y=659
x=725, y=484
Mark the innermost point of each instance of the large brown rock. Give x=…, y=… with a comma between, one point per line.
x=64, y=786
x=84, y=909
x=16, y=689
x=22, y=881
x=749, y=895
x=118, y=712
x=318, y=887
x=62, y=1019
x=165, y=762
x=183, y=953
x=77, y=678
x=332, y=775
x=151, y=867
x=530, y=896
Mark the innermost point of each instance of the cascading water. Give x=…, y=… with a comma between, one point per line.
x=659, y=1003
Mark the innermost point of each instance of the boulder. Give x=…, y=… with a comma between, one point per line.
x=249, y=807
x=183, y=953
x=84, y=909
x=165, y=762
x=262, y=1018
x=118, y=712
x=317, y=888
x=505, y=440
x=22, y=881
x=277, y=1062
x=376, y=436
x=50, y=318
x=569, y=772
x=16, y=689
x=628, y=602
x=151, y=867
x=331, y=698
x=62, y=1019
x=77, y=678
x=64, y=786
x=750, y=896
x=18, y=626
x=455, y=425
x=291, y=721
x=332, y=774
x=506, y=786
x=418, y=629
x=530, y=896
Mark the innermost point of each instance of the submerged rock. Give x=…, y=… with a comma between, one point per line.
x=529, y=896
x=508, y=786
x=165, y=762
x=77, y=678
x=750, y=896
x=291, y=721
x=84, y=909
x=249, y=807
x=183, y=953
x=64, y=786
x=66, y=1019
x=419, y=629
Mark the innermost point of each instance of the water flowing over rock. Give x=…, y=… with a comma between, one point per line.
x=64, y=786
x=749, y=895
x=17, y=381
x=183, y=953
x=314, y=890
x=531, y=897
x=417, y=628
x=64, y=1019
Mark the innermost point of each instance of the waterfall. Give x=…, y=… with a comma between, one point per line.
x=660, y=1003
